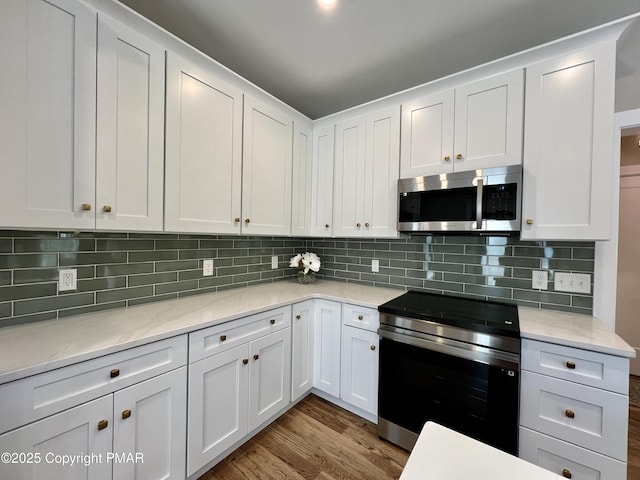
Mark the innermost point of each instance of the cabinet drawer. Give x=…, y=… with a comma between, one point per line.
x=39, y=396
x=360, y=317
x=567, y=460
x=576, y=365
x=589, y=417
x=216, y=339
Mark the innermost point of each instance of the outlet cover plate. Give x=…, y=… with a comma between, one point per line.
x=539, y=280
x=67, y=280
x=375, y=266
x=207, y=268
x=274, y=262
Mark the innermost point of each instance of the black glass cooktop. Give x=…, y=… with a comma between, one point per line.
x=478, y=315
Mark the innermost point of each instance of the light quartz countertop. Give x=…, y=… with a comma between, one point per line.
x=38, y=347
x=573, y=330
x=441, y=453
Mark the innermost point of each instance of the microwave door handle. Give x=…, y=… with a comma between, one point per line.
x=479, y=204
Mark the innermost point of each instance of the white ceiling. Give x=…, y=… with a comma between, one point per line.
x=320, y=61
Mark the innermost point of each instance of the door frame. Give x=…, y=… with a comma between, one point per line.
x=606, y=252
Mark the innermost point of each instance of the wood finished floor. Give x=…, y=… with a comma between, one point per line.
x=319, y=441
x=314, y=440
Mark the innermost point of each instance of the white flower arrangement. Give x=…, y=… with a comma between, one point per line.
x=305, y=262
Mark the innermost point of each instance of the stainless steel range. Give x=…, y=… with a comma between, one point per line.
x=452, y=360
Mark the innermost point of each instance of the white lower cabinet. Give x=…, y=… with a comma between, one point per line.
x=233, y=392
x=136, y=433
x=574, y=411
x=150, y=423
x=326, y=345
x=71, y=432
x=301, y=349
x=359, y=368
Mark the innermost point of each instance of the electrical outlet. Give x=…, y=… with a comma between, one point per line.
x=572, y=282
x=539, y=280
x=207, y=268
x=67, y=280
x=274, y=262
x=375, y=266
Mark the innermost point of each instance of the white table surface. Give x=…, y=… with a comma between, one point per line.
x=443, y=454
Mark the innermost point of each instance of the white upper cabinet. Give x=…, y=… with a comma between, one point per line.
x=478, y=125
x=568, y=145
x=302, y=181
x=427, y=135
x=366, y=175
x=203, y=163
x=322, y=199
x=130, y=130
x=266, y=169
x=47, y=119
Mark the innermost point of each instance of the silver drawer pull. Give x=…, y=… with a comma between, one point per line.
x=570, y=365
x=569, y=413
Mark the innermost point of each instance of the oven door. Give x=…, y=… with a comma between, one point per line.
x=470, y=389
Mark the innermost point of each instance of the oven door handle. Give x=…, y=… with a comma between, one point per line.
x=454, y=348
x=480, y=187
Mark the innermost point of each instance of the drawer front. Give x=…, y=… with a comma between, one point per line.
x=567, y=460
x=219, y=338
x=39, y=396
x=360, y=317
x=586, y=416
x=576, y=365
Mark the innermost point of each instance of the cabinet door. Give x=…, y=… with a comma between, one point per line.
x=427, y=135
x=488, y=122
x=47, y=119
x=348, y=199
x=567, y=146
x=302, y=181
x=381, y=173
x=302, y=349
x=203, y=164
x=218, y=402
x=270, y=382
x=360, y=368
x=326, y=347
x=322, y=201
x=266, y=170
x=150, y=424
x=130, y=134
x=73, y=432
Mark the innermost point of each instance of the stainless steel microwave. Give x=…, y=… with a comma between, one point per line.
x=477, y=202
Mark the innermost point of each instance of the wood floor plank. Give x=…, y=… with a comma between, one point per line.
x=315, y=440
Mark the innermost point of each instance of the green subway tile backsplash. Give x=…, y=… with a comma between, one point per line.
x=493, y=268
x=116, y=270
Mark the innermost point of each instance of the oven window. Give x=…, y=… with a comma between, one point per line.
x=458, y=204
x=417, y=385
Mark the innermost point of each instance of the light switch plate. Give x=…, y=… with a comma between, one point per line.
x=375, y=266
x=274, y=262
x=207, y=268
x=572, y=282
